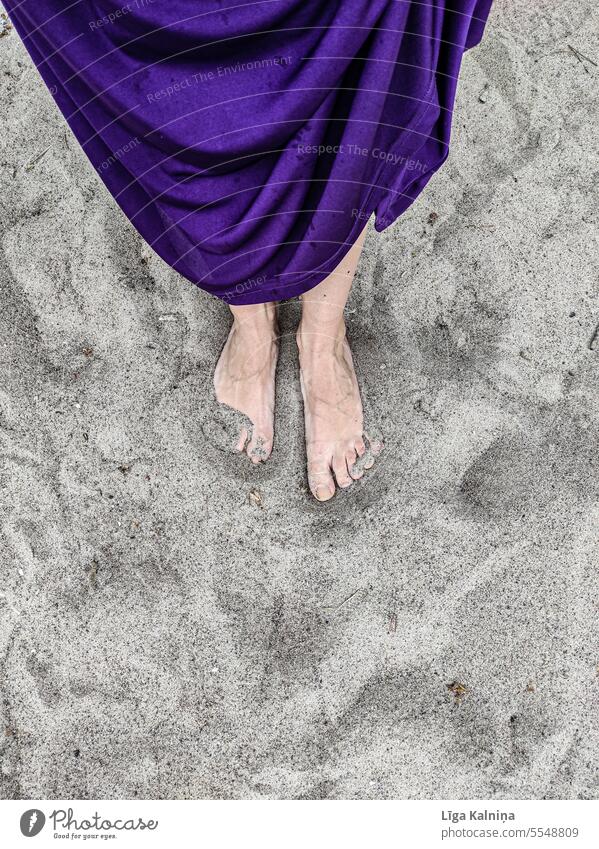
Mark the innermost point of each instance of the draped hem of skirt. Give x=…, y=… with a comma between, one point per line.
x=125, y=190
x=132, y=198
x=404, y=193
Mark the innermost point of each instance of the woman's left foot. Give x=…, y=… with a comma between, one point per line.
x=335, y=444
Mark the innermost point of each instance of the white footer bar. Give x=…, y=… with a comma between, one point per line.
x=288, y=824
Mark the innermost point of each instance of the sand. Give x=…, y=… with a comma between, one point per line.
x=175, y=623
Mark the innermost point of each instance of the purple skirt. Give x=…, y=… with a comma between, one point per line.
x=249, y=142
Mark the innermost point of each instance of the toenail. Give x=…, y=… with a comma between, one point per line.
x=323, y=493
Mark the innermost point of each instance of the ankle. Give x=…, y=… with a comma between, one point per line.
x=255, y=322
x=320, y=336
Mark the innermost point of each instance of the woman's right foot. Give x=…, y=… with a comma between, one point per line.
x=244, y=378
x=335, y=445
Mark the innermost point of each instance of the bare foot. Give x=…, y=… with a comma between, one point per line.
x=335, y=443
x=244, y=378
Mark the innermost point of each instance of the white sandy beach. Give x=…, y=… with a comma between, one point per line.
x=175, y=623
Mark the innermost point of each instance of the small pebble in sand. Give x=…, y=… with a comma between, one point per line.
x=29, y=166
x=5, y=25
x=255, y=498
x=459, y=691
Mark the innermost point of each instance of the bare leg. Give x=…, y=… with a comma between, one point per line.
x=332, y=404
x=245, y=375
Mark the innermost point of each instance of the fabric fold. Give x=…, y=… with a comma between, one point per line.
x=250, y=142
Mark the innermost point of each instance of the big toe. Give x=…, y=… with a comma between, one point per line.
x=320, y=481
x=259, y=447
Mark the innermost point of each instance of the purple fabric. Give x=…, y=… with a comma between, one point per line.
x=249, y=142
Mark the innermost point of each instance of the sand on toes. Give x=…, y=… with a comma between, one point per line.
x=244, y=380
x=338, y=449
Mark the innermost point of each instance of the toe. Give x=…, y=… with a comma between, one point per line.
x=356, y=470
x=360, y=447
x=376, y=444
x=259, y=448
x=267, y=446
x=320, y=481
x=368, y=460
x=324, y=493
x=354, y=460
x=341, y=474
x=243, y=438
x=350, y=457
